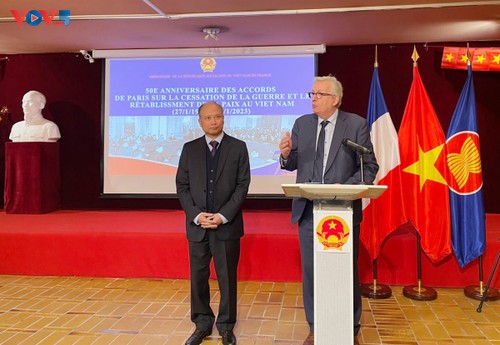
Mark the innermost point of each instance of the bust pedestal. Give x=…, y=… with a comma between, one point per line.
x=32, y=177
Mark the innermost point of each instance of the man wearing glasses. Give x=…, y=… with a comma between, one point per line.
x=315, y=150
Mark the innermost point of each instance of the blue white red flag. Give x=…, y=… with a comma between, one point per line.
x=383, y=215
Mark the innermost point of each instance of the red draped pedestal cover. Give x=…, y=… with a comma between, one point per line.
x=32, y=177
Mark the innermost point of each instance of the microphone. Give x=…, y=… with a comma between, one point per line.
x=356, y=147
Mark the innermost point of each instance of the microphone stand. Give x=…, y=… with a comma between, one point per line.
x=361, y=162
x=494, y=295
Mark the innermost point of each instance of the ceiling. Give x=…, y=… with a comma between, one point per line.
x=125, y=24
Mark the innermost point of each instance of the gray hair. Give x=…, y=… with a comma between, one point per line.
x=336, y=85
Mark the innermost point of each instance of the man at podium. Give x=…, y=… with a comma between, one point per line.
x=316, y=150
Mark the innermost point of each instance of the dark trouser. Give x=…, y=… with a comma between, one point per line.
x=306, y=235
x=226, y=255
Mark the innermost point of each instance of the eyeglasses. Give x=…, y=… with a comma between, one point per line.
x=318, y=94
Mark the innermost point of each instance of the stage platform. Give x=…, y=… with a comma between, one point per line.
x=152, y=244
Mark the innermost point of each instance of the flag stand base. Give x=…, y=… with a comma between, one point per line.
x=420, y=293
x=378, y=291
x=474, y=292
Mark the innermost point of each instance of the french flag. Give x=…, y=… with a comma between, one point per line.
x=385, y=214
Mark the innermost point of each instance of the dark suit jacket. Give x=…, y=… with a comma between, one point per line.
x=343, y=164
x=232, y=181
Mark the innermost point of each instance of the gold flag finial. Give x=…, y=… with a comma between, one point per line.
x=376, y=57
x=414, y=56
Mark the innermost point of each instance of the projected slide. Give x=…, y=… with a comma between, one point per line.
x=151, y=110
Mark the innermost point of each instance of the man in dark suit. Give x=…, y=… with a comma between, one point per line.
x=212, y=184
x=336, y=164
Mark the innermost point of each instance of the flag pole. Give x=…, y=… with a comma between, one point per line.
x=375, y=290
x=478, y=292
x=486, y=293
x=419, y=292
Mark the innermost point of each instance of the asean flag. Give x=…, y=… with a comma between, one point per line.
x=383, y=215
x=424, y=175
x=465, y=178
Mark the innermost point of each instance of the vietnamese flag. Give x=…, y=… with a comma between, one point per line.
x=424, y=173
x=481, y=59
x=494, y=59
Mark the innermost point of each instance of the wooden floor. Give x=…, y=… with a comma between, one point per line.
x=70, y=310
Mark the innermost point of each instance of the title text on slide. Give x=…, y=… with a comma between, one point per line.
x=234, y=100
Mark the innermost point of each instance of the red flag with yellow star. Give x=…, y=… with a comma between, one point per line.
x=481, y=59
x=423, y=163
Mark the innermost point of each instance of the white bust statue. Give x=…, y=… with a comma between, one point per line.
x=34, y=127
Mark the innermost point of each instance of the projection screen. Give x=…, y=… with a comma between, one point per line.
x=150, y=111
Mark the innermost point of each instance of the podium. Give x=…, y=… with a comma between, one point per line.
x=333, y=251
x=32, y=177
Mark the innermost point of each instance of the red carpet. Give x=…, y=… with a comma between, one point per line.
x=136, y=244
x=152, y=244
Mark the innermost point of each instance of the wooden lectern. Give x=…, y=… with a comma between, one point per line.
x=333, y=263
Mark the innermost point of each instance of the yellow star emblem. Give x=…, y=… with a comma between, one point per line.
x=481, y=59
x=449, y=57
x=425, y=166
x=496, y=59
x=464, y=58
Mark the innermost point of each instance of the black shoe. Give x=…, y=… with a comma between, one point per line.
x=309, y=340
x=197, y=337
x=228, y=337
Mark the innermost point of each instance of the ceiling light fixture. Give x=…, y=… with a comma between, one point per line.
x=196, y=52
x=211, y=33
